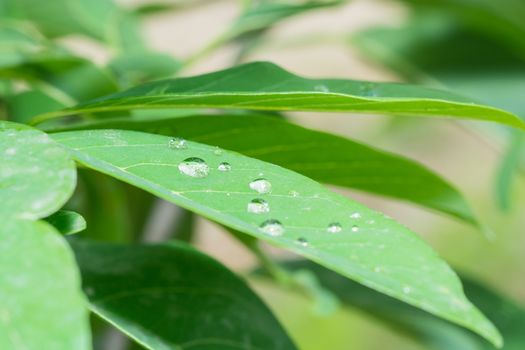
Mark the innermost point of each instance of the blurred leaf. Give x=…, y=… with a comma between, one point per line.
x=507, y=171
x=37, y=175
x=267, y=87
x=67, y=222
x=428, y=329
x=311, y=153
x=41, y=303
x=133, y=69
x=27, y=104
x=286, y=209
x=171, y=296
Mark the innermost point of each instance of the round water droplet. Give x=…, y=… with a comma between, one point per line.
x=355, y=228
x=177, y=143
x=272, y=227
x=258, y=206
x=378, y=269
x=261, y=186
x=355, y=215
x=407, y=289
x=294, y=193
x=334, y=227
x=302, y=241
x=218, y=151
x=224, y=167
x=194, y=167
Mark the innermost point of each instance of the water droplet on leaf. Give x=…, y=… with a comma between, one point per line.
x=224, y=167
x=294, y=193
x=334, y=227
x=302, y=242
x=355, y=228
x=261, y=186
x=218, y=151
x=194, y=167
x=355, y=215
x=177, y=143
x=258, y=206
x=272, y=227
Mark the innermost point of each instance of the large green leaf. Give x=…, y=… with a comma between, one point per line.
x=267, y=87
x=312, y=154
x=42, y=306
x=172, y=297
x=285, y=209
x=428, y=329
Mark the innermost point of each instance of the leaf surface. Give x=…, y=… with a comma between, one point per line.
x=41, y=305
x=285, y=209
x=266, y=86
x=172, y=297
x=67, y=222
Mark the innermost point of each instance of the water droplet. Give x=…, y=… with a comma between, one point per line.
x=407, y=289
x=302, y=241
x=355, y=228
x=294, y=193
x=371, y=222
x=378, y=269
x=218, y=151
x=355, y=215
x=368, y=89
x=272, y=227
x=224, y=167
x=261, y=186
x=258, y=206
x=10, y=151
x=194, y=167
x=177, y=143
x=334, y=227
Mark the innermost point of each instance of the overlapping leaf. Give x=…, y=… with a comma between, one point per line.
x=42, y=306
x=287, y=210
x=172, y=297
x=267, y=87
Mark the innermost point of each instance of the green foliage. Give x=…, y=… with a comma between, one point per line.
x=222, y=146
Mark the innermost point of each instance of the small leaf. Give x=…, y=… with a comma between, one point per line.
x=286, y=209
x=67, y=222
x=171, y=296
x=266, y=86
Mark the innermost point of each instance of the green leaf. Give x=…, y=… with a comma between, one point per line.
x=37, y=175
x=42, y=306
x=67, y=222
x=426, y=328
x=287, y=210
x=312, y=154
x=171, y=296
x=265, y=86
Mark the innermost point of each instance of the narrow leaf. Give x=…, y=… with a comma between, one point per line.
x=266, y=86
x=171, y=296
x=286, y=209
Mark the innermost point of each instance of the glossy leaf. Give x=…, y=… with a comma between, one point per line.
x=67, y=222
x=41, y=303
x=426, y=328
x=171, y=296
x=285, y=209
x=312, y=154
x=267, y=87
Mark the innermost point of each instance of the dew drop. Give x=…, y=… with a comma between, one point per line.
x=321, y=88
x=294, y=193
x=407, y=289
x=194, y=167
x=177, y=143
x=355, y=215
x=371, y=222
x=258, y=206
x=218, y=151
x=261, y=186
x=224, y=166
x=10, y=151
x=272, y=227
x=355, y=228
x=302, y=241
x=378, y=269
x=334, y=227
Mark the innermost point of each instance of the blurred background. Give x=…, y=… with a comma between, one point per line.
x=473, y=47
